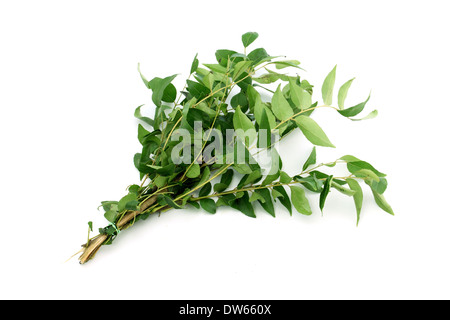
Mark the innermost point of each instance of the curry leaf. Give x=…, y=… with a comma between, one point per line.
x=248, y=38
x=313, y=132
x=328, y=86
x=299, y=200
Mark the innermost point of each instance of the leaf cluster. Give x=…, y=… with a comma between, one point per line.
x=228, y=95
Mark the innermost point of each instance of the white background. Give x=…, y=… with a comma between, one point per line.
x=68, y=89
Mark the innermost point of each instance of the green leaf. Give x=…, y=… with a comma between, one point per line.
x=357, y=197
x=111, y=215
x=311, y=159
x=311, y=182
x=284, y=199
x=90, y=225
x=354, y=166
x=371, y=115
x=264, y=132
x=166, y=170
x=142, y=76
x=239, y=99
x=271, y=178
x=267, y=78
x=349, y=158
x=248, y=38
x=197, y=90
x=170, y=202
x=225, y=181
x=240, y=68
x=256, y=196
x=259, y=107
x=286, y=63
x=242, y=168
x=328, y=86
x=244, y=205
x=342, y=95
x=258, y=55
x=299, y=200
x=162, y=91
x=342, y=189
x=194, y=171
x=205, y=176
x=284, y=177
x=382, y=203
x=223, y=55
x=353, y=111
x=366, y=173
x=226, y=200
x=205, y=190
x=325, y=192
x=138, y=115
x=194, y=65
x=301, y=98
x=242, y=122
x=217, y=68
x=280, y=106
x=125, y=200
x=378, y=186
x=267, y=204
x=313, y=132
x=208, y=205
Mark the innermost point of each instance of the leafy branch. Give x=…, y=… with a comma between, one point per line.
x=201, y=146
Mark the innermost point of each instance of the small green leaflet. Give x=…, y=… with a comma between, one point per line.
x=208, y=205
x=342, y=189
x=366, y=173
x=205, y=190
x=129, y=199
x=284, y=198
x=285, y=178
x=355, y=166
x=225, y=181
x=248, y=38
x=267, y=204
x=205, y=176
x=264, y=132
x=280, y=106
x=194, y=171
x=325, y=192
x=357, y=197
x=244, y=205
x=342, y=95
x=259, y=107
x=378, y=186
x=313, y=132
x=371, y=115
x=240, y=68
x=353, y=111
x=311, y=159
x=258, y=55
x=257, y=196
x=301, y=98
x=244, y=127
x=286, y=63
x=170, y=202
x=138, y=115
x=299, y=200
x=194, y=65
x=327, y=87
x=163, y=90
x=381, y=202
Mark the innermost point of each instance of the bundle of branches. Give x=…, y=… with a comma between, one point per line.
x=216, y=130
